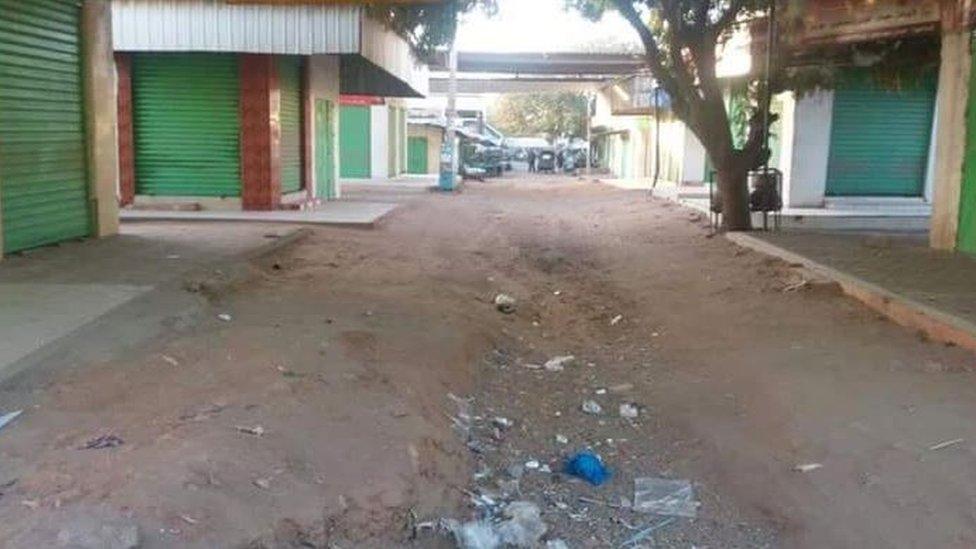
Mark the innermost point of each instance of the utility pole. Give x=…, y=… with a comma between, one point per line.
x=590, y=99
x=448, y=175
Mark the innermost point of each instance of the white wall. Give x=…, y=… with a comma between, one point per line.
x=379, y=142
x=806, y=127
x=323, y=83
x=693, y=165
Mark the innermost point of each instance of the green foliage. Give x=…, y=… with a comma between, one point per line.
x=550, y=114
x=427, y=26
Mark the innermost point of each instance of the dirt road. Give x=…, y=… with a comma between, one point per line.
x=318, y=412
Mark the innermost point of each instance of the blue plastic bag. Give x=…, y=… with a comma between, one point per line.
x=587, y=466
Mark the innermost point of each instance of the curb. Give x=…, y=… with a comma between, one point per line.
x=938, y=325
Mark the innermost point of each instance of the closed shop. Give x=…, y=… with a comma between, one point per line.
x=354, y=141
x=879, y=142
x=186, y=124
x=417, y=155
x=43, y=181
x=290, y=84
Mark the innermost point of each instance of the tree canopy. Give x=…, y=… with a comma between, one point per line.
x=427, y=26
x=550, y=114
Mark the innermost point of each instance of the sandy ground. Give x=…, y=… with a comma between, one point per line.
x=319, y=413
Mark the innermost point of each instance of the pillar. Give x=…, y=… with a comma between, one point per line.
x=260, y=102
x=950, y=138
x=100, y=115
x=127, y=158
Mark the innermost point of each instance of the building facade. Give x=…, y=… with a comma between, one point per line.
x=224, y=105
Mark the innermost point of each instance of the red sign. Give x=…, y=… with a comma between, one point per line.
x=361, y=100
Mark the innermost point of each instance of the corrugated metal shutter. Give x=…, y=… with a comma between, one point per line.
x=966, y=237
x=417, y=153
x=290, y=83
x=354, y=136
x=186, y=124
x=43, y=181
x=879, y=142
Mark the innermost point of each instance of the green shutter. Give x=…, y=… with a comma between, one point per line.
x=966, y=236
x=187, y=124
x=354, y=147
x=43, y=181
x=879, y=139
x=290, y=83
x=417, y=155
x=324, y=150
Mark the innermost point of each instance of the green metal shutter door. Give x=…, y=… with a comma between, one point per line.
x=290, y=83
x=417, y=155
x=43, y=180
x=187, y=124
x=879, y=142
x=354, y=149
x=966, y=237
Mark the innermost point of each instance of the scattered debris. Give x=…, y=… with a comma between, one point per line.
x=530, y=366
x=807, y=467
x=947, y=444
x=263, y=483
x=7, y=418
x=591, y=407
x=557, y=293
x=505, y=303
x=475, y=535
x=30, y=503
x=562, y=439
x=622, y=388
x=589, y=467
x=173, y=256
x=103, y=442
x=664, y=496
x=600, y=391
x=559, y=363
x=518, y=525
x=523, y=527
x=584, y=499
x=556, y=544
x=502, y=422
x=616, y=320
x=225, y=317
x=256, y=431
x=170, y=360
x=796, y=286
x=532, y=464
x=629, y=410
x=645, y=533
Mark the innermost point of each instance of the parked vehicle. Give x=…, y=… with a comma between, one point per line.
x=546, y=161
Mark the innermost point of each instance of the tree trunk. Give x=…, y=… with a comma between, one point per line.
x=734, y=191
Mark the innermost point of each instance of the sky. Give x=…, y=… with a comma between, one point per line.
x=539, y=26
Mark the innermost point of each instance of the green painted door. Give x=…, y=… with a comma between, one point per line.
x=290, y=83
x=43, y=181
x=417, y=155
x=966, y=236
x=879, y=139
x=186, y=124
x=324, y=150
x=354, y=148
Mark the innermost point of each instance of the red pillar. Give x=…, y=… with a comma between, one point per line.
x=127, y=159
x=260, y=102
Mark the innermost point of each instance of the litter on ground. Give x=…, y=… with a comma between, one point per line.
x=664, y=496
x=7, y=418
x=589, y=467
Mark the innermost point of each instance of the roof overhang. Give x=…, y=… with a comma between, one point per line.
x=591, y=64
x=376, y=60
